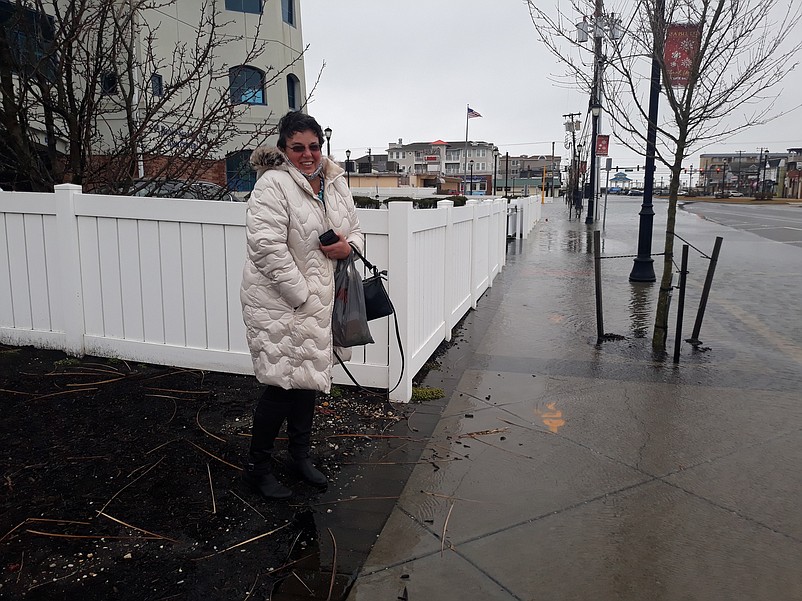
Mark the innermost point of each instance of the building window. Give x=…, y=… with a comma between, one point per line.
x=245, y=6
x=288, y=11
x=29, y=36
x=108, y=84
x=239, y=175
x=247, y=85
x=293, y=92
x=157, y=85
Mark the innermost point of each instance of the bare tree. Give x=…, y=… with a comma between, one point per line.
x=91, y=94
x=741, y=52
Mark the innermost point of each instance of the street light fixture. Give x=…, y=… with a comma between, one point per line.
x=327, y=133
x=471, y=177
x=348, y=166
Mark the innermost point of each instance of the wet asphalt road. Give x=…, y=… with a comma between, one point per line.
x=565, y=469
x=781, y=223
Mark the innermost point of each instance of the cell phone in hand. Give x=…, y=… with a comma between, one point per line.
x=327, y=238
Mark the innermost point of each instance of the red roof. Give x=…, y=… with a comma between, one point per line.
x=439, y=143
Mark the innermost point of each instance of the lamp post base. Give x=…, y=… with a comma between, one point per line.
x=643, y=270
x=591, y=209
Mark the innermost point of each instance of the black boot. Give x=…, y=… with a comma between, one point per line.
x=299, y=431
x=267, y=421
x=303, y=466
x=266, y=485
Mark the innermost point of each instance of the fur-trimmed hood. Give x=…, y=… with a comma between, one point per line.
x=265, y=158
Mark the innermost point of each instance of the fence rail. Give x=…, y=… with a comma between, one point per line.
x=157, y=280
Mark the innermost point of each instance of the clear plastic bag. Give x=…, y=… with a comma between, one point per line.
x=349, y=322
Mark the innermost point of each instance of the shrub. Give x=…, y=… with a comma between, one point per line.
x=459, y=201
x=366, y=202
x=426, y=203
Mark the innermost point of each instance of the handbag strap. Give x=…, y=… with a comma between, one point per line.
x=403, y=364
x=367, y=263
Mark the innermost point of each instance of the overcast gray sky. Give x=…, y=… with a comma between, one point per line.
x=408, y=70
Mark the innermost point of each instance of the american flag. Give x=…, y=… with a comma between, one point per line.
x=472, y=113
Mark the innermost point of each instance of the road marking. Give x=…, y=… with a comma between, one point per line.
x=750, y=214
x=778, y=341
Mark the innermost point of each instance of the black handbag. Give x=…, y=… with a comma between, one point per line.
x=377, y=301
x=377, y=305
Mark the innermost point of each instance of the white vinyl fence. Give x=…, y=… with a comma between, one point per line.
x=157, y=280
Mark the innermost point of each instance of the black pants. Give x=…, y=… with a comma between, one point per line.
x=275, y=406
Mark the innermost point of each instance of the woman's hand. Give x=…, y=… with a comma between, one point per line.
x=339, y=250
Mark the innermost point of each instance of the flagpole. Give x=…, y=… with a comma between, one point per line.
x=465, y=165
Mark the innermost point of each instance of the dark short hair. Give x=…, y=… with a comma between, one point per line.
x=295, y=122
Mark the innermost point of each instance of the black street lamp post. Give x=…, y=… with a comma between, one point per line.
x=507, y=176
x=348, y=166
x=471, y=177
x=495, y=168
x=643, y=267
x=327, y=133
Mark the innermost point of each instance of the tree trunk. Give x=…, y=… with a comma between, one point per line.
x=664, y=298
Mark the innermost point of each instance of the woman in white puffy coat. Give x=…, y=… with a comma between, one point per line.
x=287, y=291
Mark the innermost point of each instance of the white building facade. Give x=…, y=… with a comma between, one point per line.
x=157, y=85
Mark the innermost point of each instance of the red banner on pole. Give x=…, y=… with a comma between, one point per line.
x=682, y=45
x=602, y=145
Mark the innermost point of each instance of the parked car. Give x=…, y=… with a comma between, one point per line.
x=175, y=188
x=736, y=194
x=635, y=192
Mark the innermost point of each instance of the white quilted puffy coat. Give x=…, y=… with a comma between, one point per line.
x=287, y=291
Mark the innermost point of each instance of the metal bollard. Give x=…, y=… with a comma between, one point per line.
x=711, y=270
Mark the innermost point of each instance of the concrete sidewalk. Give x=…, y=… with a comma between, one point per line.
x=563, y=469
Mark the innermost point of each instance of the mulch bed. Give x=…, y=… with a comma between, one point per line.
x=122, y=481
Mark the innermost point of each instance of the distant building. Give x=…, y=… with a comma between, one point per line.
x=476, y=166
x=747, y=172
x=793, y=174
x=532, y=169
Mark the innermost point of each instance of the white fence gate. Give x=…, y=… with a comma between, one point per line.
x=157, y=280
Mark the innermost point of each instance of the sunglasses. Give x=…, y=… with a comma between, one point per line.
x=299, y=148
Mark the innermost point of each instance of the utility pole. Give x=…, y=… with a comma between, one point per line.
x=740, y=152
x=761, y=163
x=594, y=108
x=571, y=124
